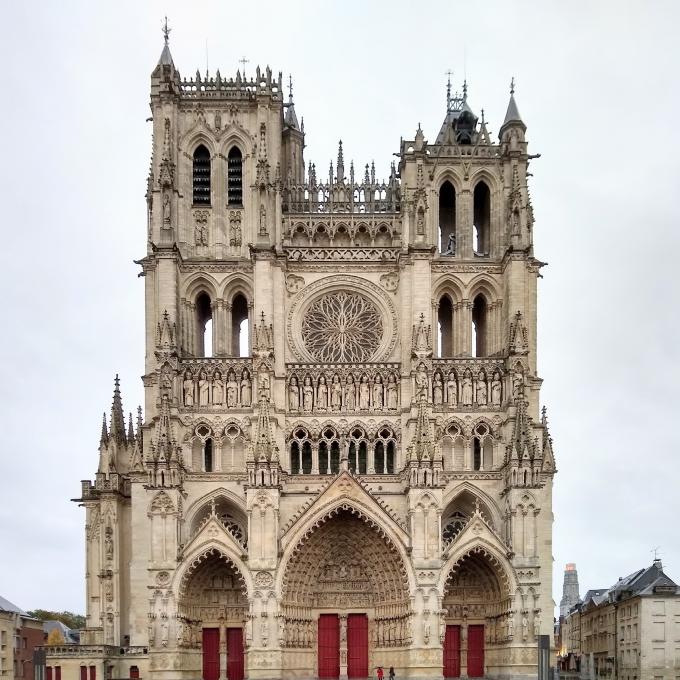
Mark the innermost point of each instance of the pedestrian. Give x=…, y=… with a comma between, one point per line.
x=380, y=673
x=391, y=673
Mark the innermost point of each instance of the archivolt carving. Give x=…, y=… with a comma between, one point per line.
x=209, y=554
x=346, y=560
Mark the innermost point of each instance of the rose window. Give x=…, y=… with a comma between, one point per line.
x=342, y=327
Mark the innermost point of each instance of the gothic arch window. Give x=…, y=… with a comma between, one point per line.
x=453, y=526
x=481, y=231
x=235, y=177
x=453, y=447
x=358, y=451
x=480, y=313
x=445, y=326
x=240, y=332
x=201, y=176
x=204, y=325
x=329, y=452
x=447, y=219
x=384, y=451
x=483, y=446
x=233, y=448
x=300, y=452
x=208, y=455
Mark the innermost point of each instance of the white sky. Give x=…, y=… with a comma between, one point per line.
x=597, y=85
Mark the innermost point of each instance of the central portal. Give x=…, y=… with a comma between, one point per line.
x=346, y=583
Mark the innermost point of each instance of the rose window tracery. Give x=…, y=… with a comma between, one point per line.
x=342, y=327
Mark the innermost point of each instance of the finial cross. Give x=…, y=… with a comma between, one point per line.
x=166, y=31
x=656, y=552
x=448, y=74
x=243, y=61
x=290, y=87
x=512, y=85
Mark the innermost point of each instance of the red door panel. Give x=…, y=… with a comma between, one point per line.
x=329, y=646
x=211, y=654
x=235, y=664
x=452, y=652
x=475, y=655
x=357, y=646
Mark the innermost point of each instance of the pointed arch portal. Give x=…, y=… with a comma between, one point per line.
x=346, y=586
x=477, y=604
x=212, y=612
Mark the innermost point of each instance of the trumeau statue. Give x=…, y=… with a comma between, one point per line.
x=319, y=477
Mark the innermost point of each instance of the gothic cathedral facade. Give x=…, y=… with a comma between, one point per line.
x=342, y=461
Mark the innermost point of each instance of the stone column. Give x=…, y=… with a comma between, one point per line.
x=343, y=646
x=223, y=651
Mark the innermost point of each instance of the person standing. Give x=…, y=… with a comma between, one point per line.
x=391, y=673
x=380, y=673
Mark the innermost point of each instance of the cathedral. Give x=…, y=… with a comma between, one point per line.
x=342, y=461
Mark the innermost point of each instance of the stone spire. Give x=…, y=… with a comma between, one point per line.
x=104, y=439
x=290, y=119
x=117, y=416
x=265, y=446
x=512, y=117
x=341, y=163
x=166, y=57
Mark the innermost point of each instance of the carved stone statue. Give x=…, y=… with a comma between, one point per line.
x=336, y=393
x=466, y=388
x=151, y=630
x=246, y=388
x=511, y=625
x=263, y=220
x=218, y=389
x=307, y=395
x=392, y=392
x=294, y=394
x=450, y=245
x=235, y=228
x=525, y=628
x=188, y=386
x=263, y=384
x=165, y=629
x=378, y=393
x=481, y=389
x=496, y=389
x=426, y=630
x=232, y=390
x=108, y=543
x=537, y=625
x=451, y=389
x=517, y=385
x=322, y=395
x=421, y=382
x=437, y=389
x=166, y=209
x=364, y=394
x=350, y=393
x=203, y=389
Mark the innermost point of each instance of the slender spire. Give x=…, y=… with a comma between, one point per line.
x=449, y=73
x=166, y=57
x=131, y=430
x=465, y=90
x=104, y=439
x=117, y=416
x=265, y=446
x=512, y=114
x=290, y=119
x=341, y=163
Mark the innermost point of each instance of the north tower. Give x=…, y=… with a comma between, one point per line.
x=342, y=461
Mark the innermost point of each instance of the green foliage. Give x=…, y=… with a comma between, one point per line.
x=69, y=619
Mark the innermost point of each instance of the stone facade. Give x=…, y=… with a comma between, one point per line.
x=20, y=634
x=630, y=631
x=342, y=461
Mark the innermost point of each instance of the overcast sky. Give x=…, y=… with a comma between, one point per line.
x=597, y=86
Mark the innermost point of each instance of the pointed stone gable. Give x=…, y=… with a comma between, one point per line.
x=344, y=489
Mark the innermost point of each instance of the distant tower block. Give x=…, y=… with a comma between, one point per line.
x=570, y=593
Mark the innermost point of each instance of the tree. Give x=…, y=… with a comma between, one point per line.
x=69, y=619
x=55, y=637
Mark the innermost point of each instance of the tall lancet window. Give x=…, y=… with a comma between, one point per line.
x=234, y=177
x=447, y=219
x=482, y=220
x=201, y=176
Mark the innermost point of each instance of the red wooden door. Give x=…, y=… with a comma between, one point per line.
x=357, y=646
x=211, y=653
x=475, y=655
x=134, y=672
x=452, y=652
x=235, y=665
x=329, y=646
